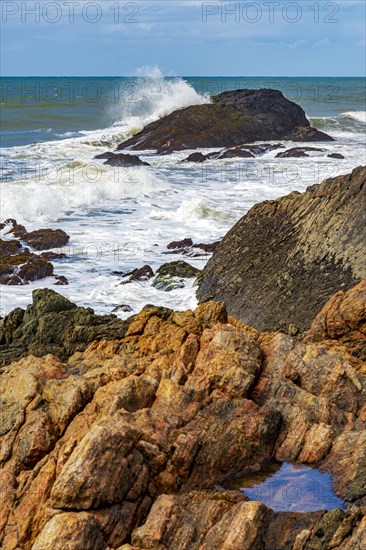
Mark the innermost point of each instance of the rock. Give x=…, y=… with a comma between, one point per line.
x=178, y=269
x=187, y=248
x=52, y=324
x=35, y=269
x=122, y=160
x=23, y=268
x=18, y=266
x=306, y=133
x=231, y=119
x=243, y=151
x=128, y=443
x=61, y=280
x=167, y=283
x=195, y=157
x=236, y=152
x=9, y=248
x=335, y=156
x=284, y=259
x=184, y=243
x=124, y=307
x=142, y=274
x=342, y=320
x=298, y=152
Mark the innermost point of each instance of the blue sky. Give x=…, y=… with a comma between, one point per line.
x=183, y=37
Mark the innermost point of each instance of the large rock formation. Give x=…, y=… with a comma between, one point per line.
x=126, y=445
x=285, y=258
x=233, y=118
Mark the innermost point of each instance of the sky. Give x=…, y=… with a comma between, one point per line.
x=183, y=37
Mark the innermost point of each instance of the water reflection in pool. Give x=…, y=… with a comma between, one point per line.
x=289, y=488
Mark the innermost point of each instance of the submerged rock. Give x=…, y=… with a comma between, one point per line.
x=298, y=152
x=335, y=156
x=131, y=441
x=231, y=119
x=285, y=258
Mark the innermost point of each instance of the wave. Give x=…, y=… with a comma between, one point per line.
x=72, y=189
x=343, y=123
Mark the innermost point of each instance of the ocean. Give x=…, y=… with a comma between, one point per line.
x=52, y=128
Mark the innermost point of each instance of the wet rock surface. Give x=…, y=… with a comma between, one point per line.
x=188, y=248
x=128, y=443
x=285, y=258
x=231, y=119
x=297, y=152
x=18, y=265
x=122, y=160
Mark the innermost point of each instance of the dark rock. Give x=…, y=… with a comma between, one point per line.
x=195, y=157
x=36, y=268
x=61, y=280
x=142, y=274
x=284, y=259
x=232, y=119
x=122, y=160
x=44, y=239
x=335, y=156
x=178, y=269
x=124, y=307
x=236, y=152
x=209, y=248
x=307, y=133
x=52, y=324
x=184, y=243
x=9, y=248
x=23, y=268
x=297, y=152
x=106, y=155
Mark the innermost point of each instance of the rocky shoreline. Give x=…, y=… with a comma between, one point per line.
x=123, y=437
x=127, y=434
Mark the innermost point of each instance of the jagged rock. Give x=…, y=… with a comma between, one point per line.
x=23, y=268
x=132, y=439
x=187, y=248
x=285, y=258
x=233, y=118
x=9, y=248
x=298, y=152
x=142, y=274
x=342, y=320
x=52, y=324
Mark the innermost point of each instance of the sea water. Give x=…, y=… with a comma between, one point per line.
x=119, y=219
